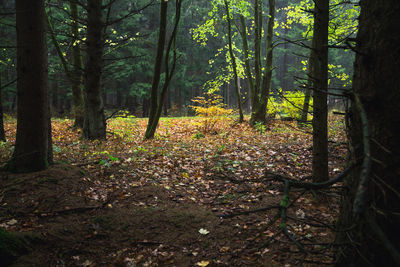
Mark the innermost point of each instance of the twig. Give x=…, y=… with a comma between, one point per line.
x=284, y=206
x=247, y=212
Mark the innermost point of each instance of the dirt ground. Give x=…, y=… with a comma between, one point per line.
x=147, y=226
x=175, y=201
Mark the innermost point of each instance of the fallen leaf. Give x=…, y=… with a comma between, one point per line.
x=203, y=263
x=204, y=231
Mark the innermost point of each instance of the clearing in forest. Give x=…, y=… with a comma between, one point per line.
x=184, y=198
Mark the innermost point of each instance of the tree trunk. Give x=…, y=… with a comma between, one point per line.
x=263, y=82
x=94, y=126
x=233, y=62
x=255, y=111
x=157, y=99
x=32, y=141
x=76, y=75
x=2, y=133
x=266, y=85
x=157, y=69
x=310, y=80
x=320, y=129
x=370, y=201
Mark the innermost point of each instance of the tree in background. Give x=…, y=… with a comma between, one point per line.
x=262, y=87
x=33, y=141
x=77, y=72
x=2, y=133
x=157, y=96
x=369, y=218
x=233, y=61
x=94, y=126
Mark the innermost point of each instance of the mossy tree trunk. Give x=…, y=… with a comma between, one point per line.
x=369, y=219
x=320, y=73
x=94, y=126
x=33, y=141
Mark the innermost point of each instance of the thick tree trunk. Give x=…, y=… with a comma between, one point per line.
x=32, y=141
x=320, y=129
x=370, y=202
x=94, y=126
x=76, y=75
x=2, y=133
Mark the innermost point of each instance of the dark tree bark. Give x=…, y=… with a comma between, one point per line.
x=369, y=218
x=94, y=126
x=320, y=73
x=2, y=133
x=33, y=142
x=76, y=74
x=156, y=97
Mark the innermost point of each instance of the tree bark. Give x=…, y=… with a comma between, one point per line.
x=263, y=82
x=156, y=98
x=310, y=82
x=33, y=142
x=370, y=206
x=76, y=75
x=2, y=132
x=233, y=62
x=94, y=126
x=320, y=129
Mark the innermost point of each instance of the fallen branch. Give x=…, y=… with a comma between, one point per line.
x=283, y=226
x=311, y=186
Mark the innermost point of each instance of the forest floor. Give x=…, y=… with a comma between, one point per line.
x=180, y=199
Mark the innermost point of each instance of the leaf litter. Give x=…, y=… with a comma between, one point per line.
x=175, y=200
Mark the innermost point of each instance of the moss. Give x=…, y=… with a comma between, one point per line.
x=11, y=247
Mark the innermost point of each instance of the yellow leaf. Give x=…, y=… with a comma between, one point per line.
x=203, y=263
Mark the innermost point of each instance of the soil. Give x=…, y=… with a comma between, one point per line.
x=148, y=226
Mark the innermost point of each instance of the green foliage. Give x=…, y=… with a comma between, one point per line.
x=287, y=104
x=212, y=111
x=11, y=246
x=198, y=135
x=260, y=127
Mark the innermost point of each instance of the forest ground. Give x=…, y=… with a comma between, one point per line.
x=177, y=200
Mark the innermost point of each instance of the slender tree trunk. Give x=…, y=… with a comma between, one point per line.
x=310, y=79
x=156, y=99
x=369, y=218
x=233, y=62
x=320, y=129
x=243, y=34
x=94, y=126
x=32, y=146
x=76, y=75
x=2, y=133
x=257, y=64
x=266, y=85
